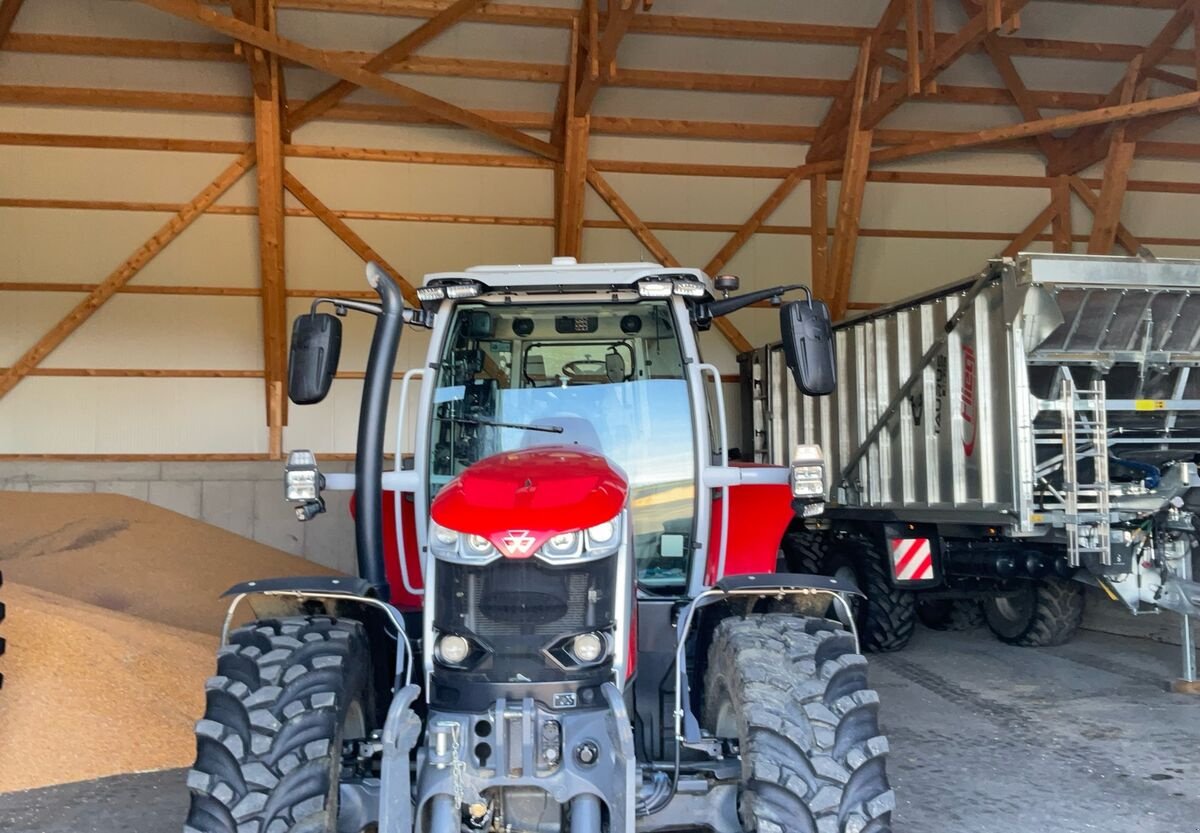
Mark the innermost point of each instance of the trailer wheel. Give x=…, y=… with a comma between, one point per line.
x=950, y=614
x=804, y=550
x=807, y=729
x=1038, y=614
x=886, y=619
x=269, y=748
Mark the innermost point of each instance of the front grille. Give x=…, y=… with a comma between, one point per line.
x=516, y=608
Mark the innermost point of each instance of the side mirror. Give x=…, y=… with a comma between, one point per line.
x=808, y=346
x=316, y=346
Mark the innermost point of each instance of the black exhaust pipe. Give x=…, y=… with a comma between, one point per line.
x=372, y=422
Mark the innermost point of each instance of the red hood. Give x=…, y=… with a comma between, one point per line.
x=535, y=493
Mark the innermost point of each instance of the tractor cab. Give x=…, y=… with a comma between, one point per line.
x=565, y=586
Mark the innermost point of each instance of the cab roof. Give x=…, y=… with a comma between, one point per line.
x=566, y=272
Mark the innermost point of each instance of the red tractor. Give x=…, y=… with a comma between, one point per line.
x=568, y=615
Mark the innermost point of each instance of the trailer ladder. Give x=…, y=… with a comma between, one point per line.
x=1085, y=435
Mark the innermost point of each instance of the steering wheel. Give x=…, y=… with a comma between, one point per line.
x=586, y=369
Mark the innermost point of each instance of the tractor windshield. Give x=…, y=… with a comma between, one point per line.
x=606, y=376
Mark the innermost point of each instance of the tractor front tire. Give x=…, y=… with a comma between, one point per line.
x=269, y=747
x=950, y=614
x=1038, y=614
x=792, y=692
x=887, y=617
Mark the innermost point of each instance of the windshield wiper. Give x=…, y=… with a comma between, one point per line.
x=549, y=429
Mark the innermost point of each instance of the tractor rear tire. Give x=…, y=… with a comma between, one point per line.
x=1037, y=615
x=887, y=617
x=269, y=747
x=804, y=550
x=793, y=693
x=950, y=614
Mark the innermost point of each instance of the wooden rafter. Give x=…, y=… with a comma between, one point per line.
x=8, y=13
x=1107, y=213
x=1061, y=224
x=571, y=133
x=346, y=234
x=1125, y=237
x=317, y=59
x=620, y=16
x=251, y=11
x=1032, y=231
x=647, y=238
x=818, y=204
x=628, y=77
x=125, y=272
x=850, y=197
x=268, y=142
x=1085, y=147
x=401, y=50
x=831, y=135
x=997, y=52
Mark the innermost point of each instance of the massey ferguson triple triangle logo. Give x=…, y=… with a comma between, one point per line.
x=518, y=542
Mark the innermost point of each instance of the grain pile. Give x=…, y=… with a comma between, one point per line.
x=113, y=616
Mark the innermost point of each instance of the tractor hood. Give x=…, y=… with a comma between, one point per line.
x=519, y=499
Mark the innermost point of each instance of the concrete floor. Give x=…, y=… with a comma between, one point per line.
x=985, y=739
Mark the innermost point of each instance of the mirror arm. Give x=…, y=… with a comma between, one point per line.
x=340, y=305
x=704, y=313
x=416, y=317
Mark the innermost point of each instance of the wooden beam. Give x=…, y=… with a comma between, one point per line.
x=1107, y=213
x=545, y=72
x=1032, y=231
x=427, y=32
x=646, y=237
x=569, y=224
x=1125, y=237
x=8, y=13
x=251, y=11
x=818, y=203
x=1082, y=149
x=748, y=229
x=268, y=142
x=993, y=45
x=1061, y=223
x=315, y=58
x=912, y=45
x=850, y=196
x=620, y=15
x=825, y=142
x=346, y=234
x=125, y=272
x=1120, y=112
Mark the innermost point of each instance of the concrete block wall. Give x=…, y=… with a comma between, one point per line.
x=243, y=497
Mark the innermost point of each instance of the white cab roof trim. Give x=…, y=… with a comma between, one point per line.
x=564, y=271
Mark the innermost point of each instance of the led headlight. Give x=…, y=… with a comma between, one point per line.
x=445, y=537
x=588, y=647
x=430, y=293
x=453, y=649
x=476, y=546
x=602, y=534
x=562, y=545
x=654, y=289
x=690, y=289
x=463, y=290
x=807, y=476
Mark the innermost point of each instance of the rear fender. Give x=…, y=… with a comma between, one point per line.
x=704, y=612
x=342, y=596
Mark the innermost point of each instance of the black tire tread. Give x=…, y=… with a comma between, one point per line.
x=268, y=746
x=888, y=618
x=813, y=758
x=1057, y=614
x=804, y=550
x=951, y=614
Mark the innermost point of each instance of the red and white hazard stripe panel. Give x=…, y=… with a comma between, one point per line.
x=912, y=559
